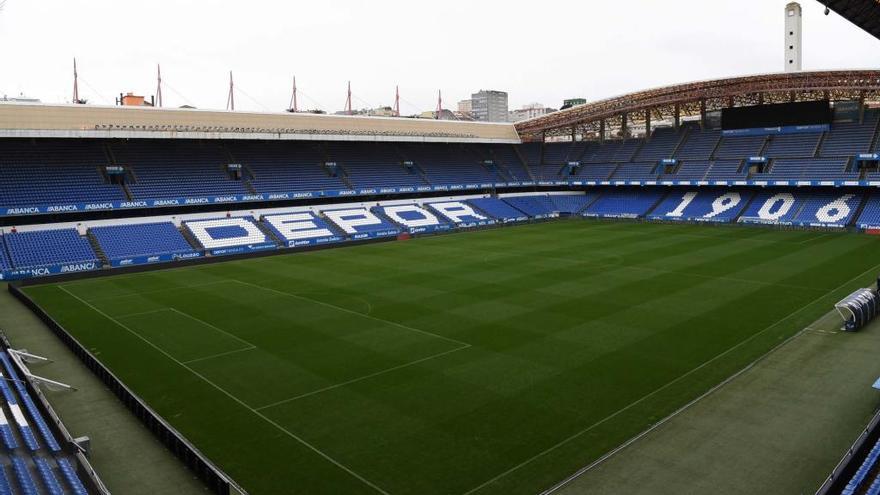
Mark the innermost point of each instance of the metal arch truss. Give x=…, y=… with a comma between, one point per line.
x=697, y=98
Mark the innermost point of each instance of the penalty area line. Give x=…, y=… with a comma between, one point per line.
x=362, y=378
x=238, y=401
x=346, y=310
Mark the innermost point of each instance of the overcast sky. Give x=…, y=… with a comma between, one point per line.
x=538, y=51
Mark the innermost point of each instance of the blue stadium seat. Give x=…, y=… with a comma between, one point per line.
x=451, y=164
x=5, y=486
x=303, y=227
x=661, y=145
x=48, y=247
x=624, y=203
x=27, y=434
x=506, y=156
x=690, y=170
x=739, y=147
x=177, y=169
x=874, y=489
x=850, y=138
x=358, y=220
x=793, y=145
x=536, y=206
x=636, y=171
x=280, y=167
x=459, y=213
x=26, y=483
x=702, y=205
x=870, y=217
x=53, y=172
x=411, y=217
x=861, y=474
x=835, y=208
x=698, y=145
x=69, y=474
x=613, y=151
x=498, y=209
x=549, y=172
x=775, y=206
x=727, y=170
x=373, y=165
x=217, y=233
x=50, y=482
x=6, y=434
x=145, y=239
x=4, y=258
x=811, y=169
x=556, y=153
x=572, y=204
x=32, y=409
x=600, y=171
x=531, y=153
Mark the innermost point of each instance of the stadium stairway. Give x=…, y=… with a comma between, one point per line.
x=524, y=162
x=497, y=208
x=129, y=172
x=96, y=246
x=269, y=231
x=660, y=198
x=768, y=139
x=859, y=209
x=800, y=209
x=108, y=153
x=684, y=135
x=190, y=238
x=422, y=174
x=745, y=208
x=343, y=176
x=713, y=155
x=418, y=168
x=502, y=168
x=819, y=144
x=501, y=174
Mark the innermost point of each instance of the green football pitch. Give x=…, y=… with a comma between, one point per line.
x=486, y=362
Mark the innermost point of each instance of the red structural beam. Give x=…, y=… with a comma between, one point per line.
x=836, y=80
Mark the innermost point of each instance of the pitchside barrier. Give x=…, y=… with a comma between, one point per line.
x=214, y=478
x=849, y=464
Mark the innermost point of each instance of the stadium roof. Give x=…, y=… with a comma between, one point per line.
x=696, y=98
x=863, y=13
x=39, y=120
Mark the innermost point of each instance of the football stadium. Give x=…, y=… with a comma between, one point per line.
x=670, y=290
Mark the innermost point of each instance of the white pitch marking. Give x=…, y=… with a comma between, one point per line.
x=346, y=310
x=362, y=378
x=233, y=397
x=663, y=387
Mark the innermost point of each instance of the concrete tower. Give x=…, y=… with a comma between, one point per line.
x=793, y=22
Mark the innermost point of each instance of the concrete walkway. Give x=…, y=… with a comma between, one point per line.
x=124, y=453
x=780, y=427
